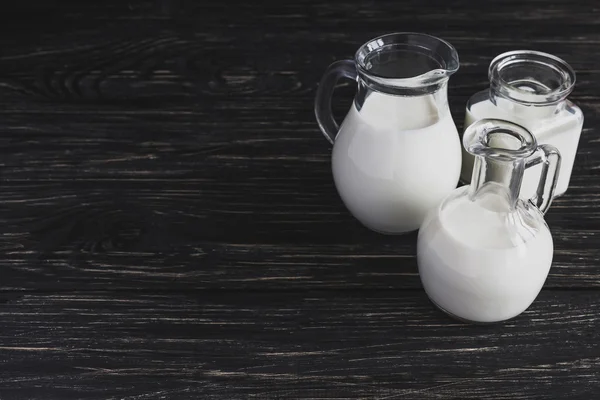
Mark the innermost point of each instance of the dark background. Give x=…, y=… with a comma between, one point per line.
x=169, y=226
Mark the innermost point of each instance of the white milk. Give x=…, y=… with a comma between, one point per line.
x=561, y=131
x=477, y=264
x=394, y=160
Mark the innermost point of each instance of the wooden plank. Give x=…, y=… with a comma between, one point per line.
x=227, y=210
x=104, y=201
x=118, y=244
x=383, y=344
x=180, y=71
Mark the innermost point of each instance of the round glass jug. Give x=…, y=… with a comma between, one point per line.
x=484, y=253
x=397, y=153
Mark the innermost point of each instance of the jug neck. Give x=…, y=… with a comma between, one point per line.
x=438, y=95
x=501, y=151
x=503, y=177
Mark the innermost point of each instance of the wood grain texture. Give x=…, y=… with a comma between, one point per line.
x=308, y=345
x=169, y=227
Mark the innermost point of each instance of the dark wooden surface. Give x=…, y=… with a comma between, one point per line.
x=169, y=226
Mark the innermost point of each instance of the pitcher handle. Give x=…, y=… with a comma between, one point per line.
x=550, y=157
x=337, y=70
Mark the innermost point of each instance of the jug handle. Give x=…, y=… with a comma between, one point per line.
x=550, y=157
x=337, y=70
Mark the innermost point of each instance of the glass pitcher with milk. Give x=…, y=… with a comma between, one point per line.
x=397, y=153
x=484, y=253
x=530, y=88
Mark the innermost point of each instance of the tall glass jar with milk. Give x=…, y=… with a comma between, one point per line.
x=530, y=88
x=397, y=153
x=484, y=253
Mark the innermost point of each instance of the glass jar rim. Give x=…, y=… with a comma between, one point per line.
x=537, y=59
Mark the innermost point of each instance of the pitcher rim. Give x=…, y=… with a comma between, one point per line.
x=451, y=61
